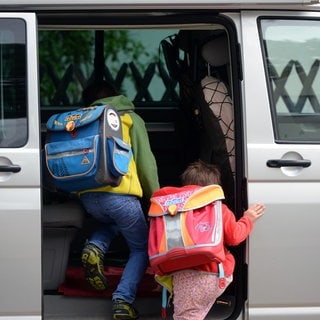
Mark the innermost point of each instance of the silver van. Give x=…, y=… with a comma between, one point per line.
x=235, y=83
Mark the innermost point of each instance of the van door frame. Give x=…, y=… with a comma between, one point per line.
x=282, y=274
x=20, y=199
x=181, y=19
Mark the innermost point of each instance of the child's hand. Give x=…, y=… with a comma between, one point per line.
x=255, y=212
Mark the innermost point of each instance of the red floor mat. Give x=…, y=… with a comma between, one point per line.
x=76, y=285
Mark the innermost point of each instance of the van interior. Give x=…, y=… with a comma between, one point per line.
x=183, y=80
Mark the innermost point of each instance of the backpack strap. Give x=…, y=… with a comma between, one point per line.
x=164, y=303
x=167, y=288
x=222, y=280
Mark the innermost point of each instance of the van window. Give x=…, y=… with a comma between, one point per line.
x=13, y=122
x=291, y=50
x=127, y=58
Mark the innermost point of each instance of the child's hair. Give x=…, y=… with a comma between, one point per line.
x=98, y=90
x=200, y=173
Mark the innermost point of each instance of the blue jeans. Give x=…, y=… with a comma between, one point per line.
x=121, y=213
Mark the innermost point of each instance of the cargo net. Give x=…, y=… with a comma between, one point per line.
x=217, y=97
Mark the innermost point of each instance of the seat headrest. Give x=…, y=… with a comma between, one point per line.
x=215, y=52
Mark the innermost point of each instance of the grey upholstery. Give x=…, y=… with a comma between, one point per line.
x=215, y=52
x=65, y=214
x=61, y=221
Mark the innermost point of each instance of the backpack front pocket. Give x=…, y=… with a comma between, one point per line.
x=74, y=158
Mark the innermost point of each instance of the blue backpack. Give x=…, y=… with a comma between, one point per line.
x=85, y=150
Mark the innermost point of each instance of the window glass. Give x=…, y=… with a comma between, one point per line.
x=291, y=49
x=127, y=58
x=13, y=120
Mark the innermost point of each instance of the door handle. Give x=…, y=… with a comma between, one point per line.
x=10, y=168
x=278, y=163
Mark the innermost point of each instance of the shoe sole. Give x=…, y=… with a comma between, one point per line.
x=93, y=275
x=123, y=317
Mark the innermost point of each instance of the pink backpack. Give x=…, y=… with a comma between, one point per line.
x=186, y=228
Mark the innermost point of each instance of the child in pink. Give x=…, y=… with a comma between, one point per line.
x=195, y=290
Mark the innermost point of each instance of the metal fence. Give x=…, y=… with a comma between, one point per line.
x=142, y=81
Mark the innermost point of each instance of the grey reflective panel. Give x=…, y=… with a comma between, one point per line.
x=173, y=231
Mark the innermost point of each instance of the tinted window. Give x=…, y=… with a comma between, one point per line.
x=127, y=58
x=13, y=123
x=291, y=49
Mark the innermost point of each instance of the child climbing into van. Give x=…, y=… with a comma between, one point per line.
x=196, y=289
x=118, y=209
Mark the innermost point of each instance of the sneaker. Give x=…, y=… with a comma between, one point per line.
x=123, y=310
x=92, y=261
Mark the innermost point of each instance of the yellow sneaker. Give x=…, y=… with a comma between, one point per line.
x=92, y=261
x=122, y=310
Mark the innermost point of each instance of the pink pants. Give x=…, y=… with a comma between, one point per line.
x=194, y=293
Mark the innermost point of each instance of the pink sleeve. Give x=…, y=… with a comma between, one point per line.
x=235, y=231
